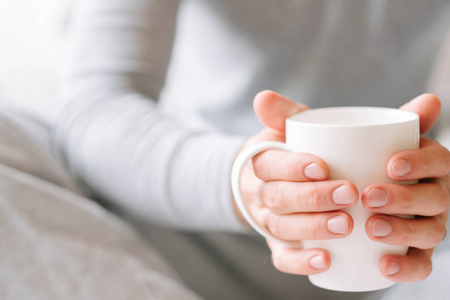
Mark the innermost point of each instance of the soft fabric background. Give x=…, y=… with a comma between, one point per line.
x=31, y=35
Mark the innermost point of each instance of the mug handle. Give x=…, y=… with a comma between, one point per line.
x=238, y=165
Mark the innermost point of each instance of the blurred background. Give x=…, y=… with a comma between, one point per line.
x=31, y=36
x=32, y=33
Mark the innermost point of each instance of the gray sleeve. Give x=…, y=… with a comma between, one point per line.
x=114, y=137
x=440, y=85
x=443, y=125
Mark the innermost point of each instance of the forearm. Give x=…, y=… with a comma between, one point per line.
x=144, y=162
x=115, y=138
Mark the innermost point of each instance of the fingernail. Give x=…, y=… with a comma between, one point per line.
x=377, y=197
x=338, y=225
x=401, y=167
x=314, y=171
x=317, y=262
x=381, y=228
x=343, y=195
x=393, y=268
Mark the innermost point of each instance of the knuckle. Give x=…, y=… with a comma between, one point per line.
x=440, y=233
x=407, y=240
x=312, y=227
x=260, y=169
x=313, y=198
x=282, y=264
x=427, y=270
x=248, y=191
x=404, y=195
x=276, y=260
x=271, y=197
x=409, y=235
x=286, y=265
x=442, y=159
x=443, y=202
x=274, y=225
x=291, y=167
x=446, y=164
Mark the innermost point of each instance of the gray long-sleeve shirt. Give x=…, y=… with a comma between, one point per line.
x=158, y=94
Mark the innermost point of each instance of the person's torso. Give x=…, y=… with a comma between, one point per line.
x=321, y=53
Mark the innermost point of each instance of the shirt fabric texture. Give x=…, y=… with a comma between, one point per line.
x=158, y=94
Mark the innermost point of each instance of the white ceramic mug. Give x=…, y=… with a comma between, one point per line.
x=356, y=143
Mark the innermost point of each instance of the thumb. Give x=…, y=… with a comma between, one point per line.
x=428, y=107
x=272, y=109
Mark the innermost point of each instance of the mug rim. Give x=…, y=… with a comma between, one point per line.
x=384, y=116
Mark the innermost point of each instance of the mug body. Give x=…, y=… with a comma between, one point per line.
x=356, y=143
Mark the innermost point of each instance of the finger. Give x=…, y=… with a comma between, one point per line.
x=428, y=107
x=423, y=233
x=431, y=160
x=415, y=266
x=310, y=226
x=280, y=165
x=299, y=261
x=266, y=134
x=272, y=109
x=283, y=197
x=425, y=199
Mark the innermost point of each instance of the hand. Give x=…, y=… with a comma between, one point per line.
x=429, y=200
x=287, y=193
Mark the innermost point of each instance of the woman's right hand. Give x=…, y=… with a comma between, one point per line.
x=288, y=194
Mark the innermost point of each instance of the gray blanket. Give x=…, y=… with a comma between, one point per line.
x=54, y=243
